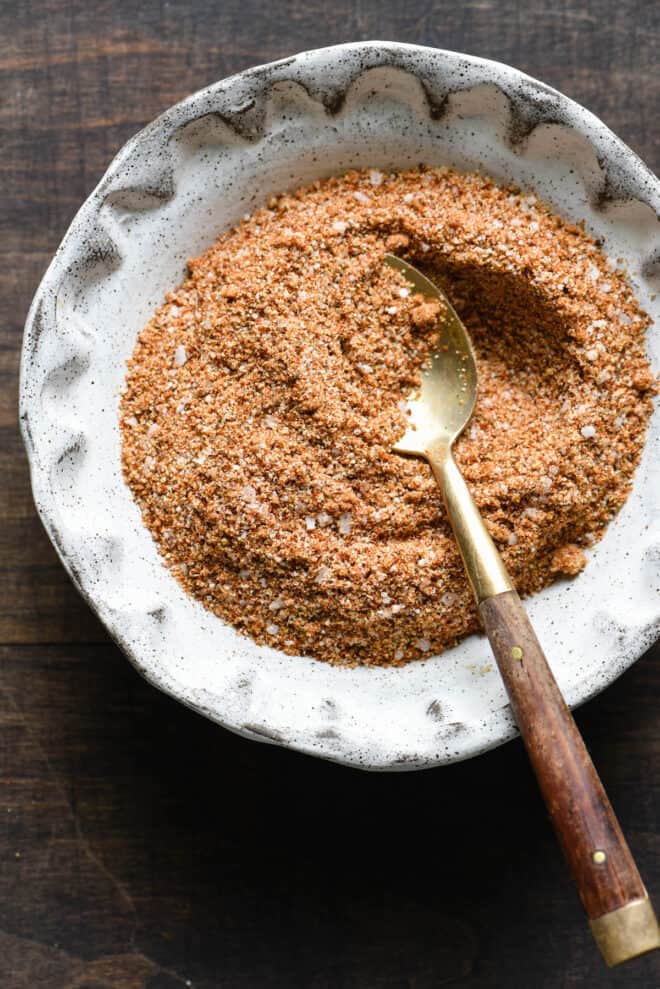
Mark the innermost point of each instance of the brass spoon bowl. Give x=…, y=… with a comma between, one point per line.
x=621, y=916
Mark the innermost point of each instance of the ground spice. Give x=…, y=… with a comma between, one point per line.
x=263, y=397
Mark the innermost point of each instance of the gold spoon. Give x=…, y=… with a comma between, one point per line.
x=620, y=913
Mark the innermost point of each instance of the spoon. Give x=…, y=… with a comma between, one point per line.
x=620, y=913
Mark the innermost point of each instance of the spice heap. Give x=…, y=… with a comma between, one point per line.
x=263, y=398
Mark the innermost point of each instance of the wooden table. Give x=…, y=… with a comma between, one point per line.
x=142, y=847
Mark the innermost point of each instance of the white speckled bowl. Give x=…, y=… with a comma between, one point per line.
x=166, y=196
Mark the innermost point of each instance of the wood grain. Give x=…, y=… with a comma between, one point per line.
x=580, y=811
x=143, y=848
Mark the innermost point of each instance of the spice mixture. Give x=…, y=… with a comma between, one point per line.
x=264, y=396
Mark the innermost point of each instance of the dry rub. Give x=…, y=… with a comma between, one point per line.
x=263, y=397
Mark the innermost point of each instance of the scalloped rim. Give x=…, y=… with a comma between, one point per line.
x=532, y=103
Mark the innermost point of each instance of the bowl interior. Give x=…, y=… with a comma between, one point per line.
x=189, y=176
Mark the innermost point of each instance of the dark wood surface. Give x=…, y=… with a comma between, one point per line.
x=144, y=848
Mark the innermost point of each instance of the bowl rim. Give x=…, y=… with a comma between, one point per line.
x=632, y=175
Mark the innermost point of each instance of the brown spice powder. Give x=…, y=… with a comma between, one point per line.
x=263, y=398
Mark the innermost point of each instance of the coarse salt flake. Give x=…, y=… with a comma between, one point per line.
x=276, y=605
x=588, y=432
x=180, y=356
x=423, y=645
x=361, y=196
x=345, y=523
x=310, y=523
x=376, y=177
x=340, y=226
x=272, y=629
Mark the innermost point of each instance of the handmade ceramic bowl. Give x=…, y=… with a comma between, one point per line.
x=167, y=195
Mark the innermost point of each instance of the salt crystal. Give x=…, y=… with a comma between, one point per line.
x=174, y=310
x=553, y=469
x=361, y=197
x=624, y=318
x=546, y=482
x=423, y=645
x=513, y=539
x=249, y=494
x=398, y=654
x=366, y=368
x=592, y=355
x=422, y=562
x=345, y=523
x=425, y=247
x=598, y=324
x=533, y=227
x=272, y=629
x=404, y=292
x=310, y=523
x=396, y=608
x=153, y=428
x=323, y=574
x=588, y=432
x=385, y=598
x=132, y=421
x=180, y=356
x=448, y=599
x=606, y=286
x=376, y=177
x=276, y=605
x=391, y=310
x=340, y=226
x=323, y=519
x=619, y=421
x=183, y=567
x=408, y=198
x=593, y=272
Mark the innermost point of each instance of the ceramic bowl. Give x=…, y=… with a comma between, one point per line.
x=167, y=195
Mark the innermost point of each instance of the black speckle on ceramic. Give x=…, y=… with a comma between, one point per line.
x=167, y=195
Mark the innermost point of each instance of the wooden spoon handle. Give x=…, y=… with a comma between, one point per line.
x=613, y=894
